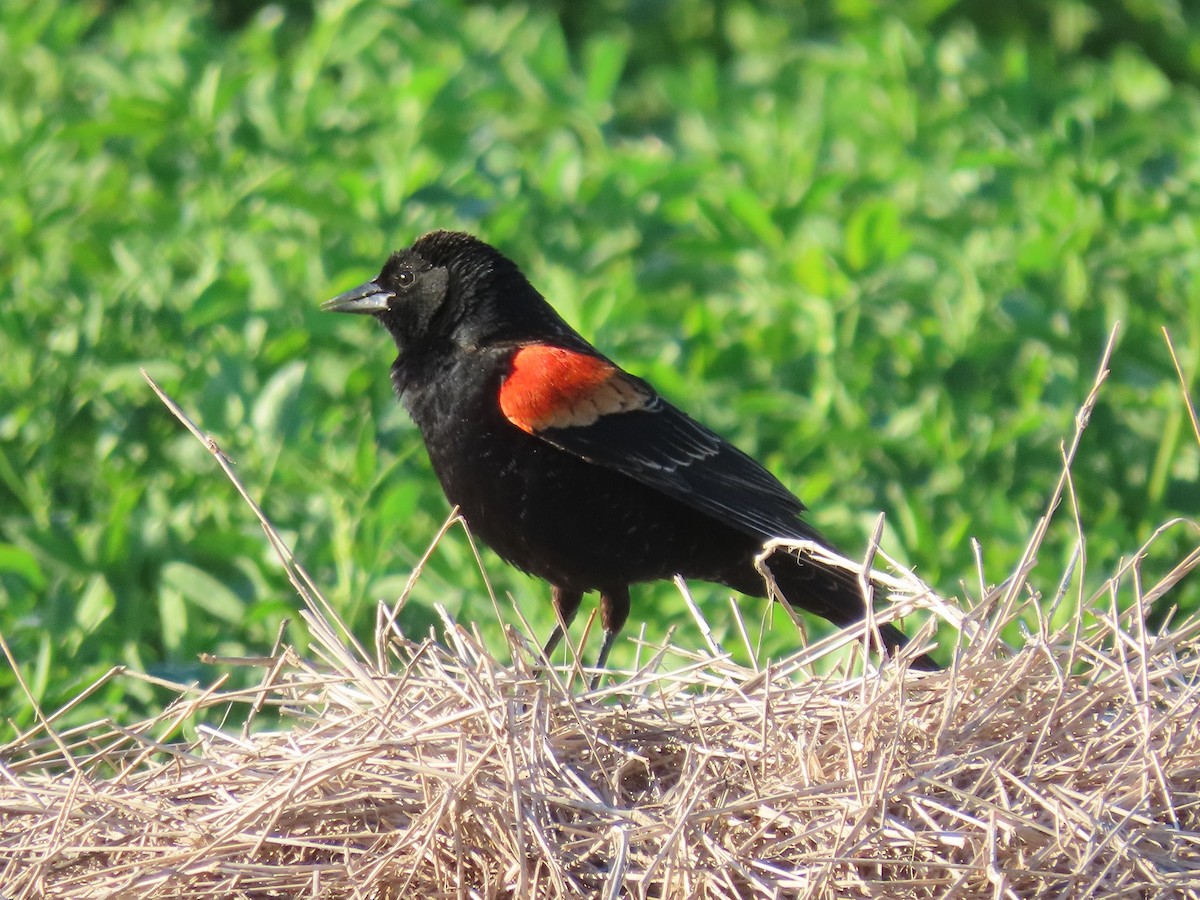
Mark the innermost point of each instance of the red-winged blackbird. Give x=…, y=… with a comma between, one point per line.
x=568, y=467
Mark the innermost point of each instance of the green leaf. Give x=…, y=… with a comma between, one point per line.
x=203, y=590
x=749, y=209
x=275, y=413
x=20, y=561
x=366, y=456
x=173, y=618
x=95, y=604
x=604, y=59
x=1138, y=82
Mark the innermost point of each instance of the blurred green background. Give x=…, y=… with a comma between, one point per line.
x=880, y=246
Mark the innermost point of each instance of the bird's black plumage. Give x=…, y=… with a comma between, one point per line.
x=568, y=467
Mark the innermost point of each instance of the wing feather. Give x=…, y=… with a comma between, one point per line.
x=583, y=404
x=665, y=449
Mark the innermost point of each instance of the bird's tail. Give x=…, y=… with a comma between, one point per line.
x=835, y=594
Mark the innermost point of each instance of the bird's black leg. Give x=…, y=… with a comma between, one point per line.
x=566, y=601
x=614, y=610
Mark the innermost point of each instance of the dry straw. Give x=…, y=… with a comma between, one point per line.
x=1067, y=767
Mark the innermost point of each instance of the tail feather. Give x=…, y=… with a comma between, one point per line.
x=835, y=594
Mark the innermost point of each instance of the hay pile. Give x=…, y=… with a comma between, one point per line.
x=1068, y=767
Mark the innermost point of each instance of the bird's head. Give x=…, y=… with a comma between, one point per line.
x=450, y=286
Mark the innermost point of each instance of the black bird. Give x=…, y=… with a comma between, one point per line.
x=569, y=467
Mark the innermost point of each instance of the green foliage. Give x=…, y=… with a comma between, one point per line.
x=882, y=250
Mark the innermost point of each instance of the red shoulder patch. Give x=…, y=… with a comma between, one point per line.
x=552, y=387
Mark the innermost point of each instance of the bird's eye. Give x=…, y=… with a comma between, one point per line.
x=405, y=278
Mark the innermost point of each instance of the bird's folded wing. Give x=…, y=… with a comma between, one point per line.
x=584, y=404
x=667, y=450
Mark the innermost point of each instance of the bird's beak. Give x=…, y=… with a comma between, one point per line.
x=366, y=298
